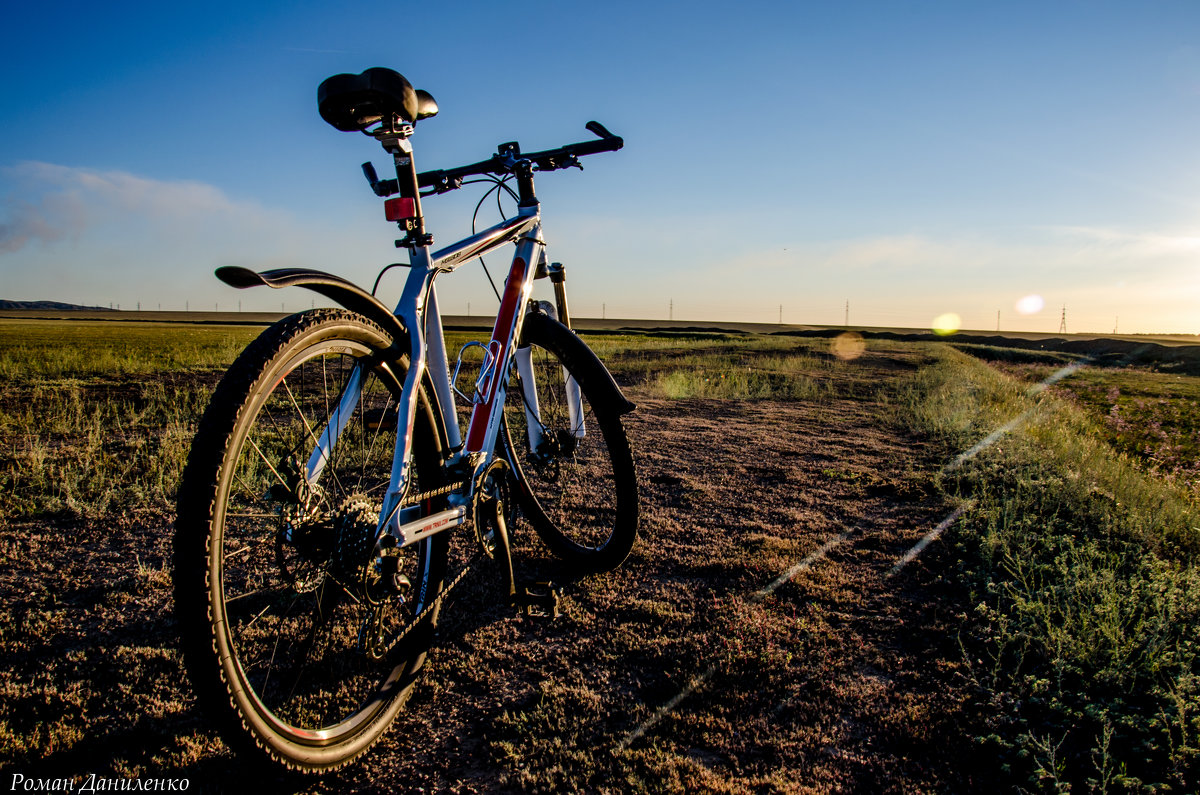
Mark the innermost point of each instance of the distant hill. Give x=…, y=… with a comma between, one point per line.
x=57, y=306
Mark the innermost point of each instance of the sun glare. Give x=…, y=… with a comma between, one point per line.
x=947, y=324
x=1030, y=305
x=848, y=346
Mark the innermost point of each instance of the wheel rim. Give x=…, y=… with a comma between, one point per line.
x=569, y=486
x=291, y=607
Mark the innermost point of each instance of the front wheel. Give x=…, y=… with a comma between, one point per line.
x=565, y=441
x=302, y=643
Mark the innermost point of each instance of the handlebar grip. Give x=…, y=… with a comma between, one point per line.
x=599, y=129
x=609, y=144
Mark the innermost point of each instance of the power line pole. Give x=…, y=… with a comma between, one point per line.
x=781, y=314
x=847, y=323
x=997, y=320
x=671, y=310
x=1115, y=322
x=1062, y=324
x=603, y=311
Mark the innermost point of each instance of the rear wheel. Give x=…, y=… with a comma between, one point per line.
x=284, y=610
x=573, y=465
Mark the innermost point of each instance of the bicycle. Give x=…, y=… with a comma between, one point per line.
x=329, y=472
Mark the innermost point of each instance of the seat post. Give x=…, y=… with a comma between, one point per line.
x=406, y=209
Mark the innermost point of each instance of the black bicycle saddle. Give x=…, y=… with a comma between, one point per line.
x=355, y=102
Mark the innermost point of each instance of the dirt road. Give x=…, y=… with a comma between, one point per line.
x=757, y=639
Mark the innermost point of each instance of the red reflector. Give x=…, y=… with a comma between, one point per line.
x=399, y=209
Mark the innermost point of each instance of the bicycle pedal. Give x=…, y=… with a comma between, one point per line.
x=541, y=600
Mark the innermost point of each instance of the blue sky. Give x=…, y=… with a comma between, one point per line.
x=915, y=159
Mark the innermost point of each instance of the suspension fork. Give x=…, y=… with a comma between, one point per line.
x=558, y=277
x=533, y=423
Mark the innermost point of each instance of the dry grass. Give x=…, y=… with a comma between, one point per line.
x=842, y=679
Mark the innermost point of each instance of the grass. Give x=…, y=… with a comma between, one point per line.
x=746, y=367
x=96, y=417
x=736, y=383
x=1081, y=568
x=31, y=350
x=1076, y=567
x=1149, y=417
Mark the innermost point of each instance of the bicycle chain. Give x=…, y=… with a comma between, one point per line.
x=417, y=499
x=438, y=492
x=435, y=604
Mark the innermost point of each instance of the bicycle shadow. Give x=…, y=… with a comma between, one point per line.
x=96, y=686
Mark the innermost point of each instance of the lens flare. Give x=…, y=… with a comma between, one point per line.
x=946, y=324
x=847, y=346
x=1030, y=305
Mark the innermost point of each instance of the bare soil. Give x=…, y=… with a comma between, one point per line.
x=839, y=678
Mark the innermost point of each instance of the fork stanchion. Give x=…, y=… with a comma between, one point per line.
x=558, y=277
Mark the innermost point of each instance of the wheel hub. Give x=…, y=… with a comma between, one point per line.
x=370, y=577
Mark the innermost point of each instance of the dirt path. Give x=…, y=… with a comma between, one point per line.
x=700, y=665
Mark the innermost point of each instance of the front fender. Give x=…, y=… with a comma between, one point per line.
x=333, y=287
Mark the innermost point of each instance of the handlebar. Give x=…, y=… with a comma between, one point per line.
x=509, y=155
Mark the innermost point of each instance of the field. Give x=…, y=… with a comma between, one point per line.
x=846, y=580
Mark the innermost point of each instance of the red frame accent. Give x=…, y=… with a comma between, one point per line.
x=506, y=321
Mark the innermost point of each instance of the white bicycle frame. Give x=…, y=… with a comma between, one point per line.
x=419, y=312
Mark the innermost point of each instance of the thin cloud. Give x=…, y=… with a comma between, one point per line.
x=897, y=252
x=25, y=222
x=48, y=202
x=1111, y=244
x=74, y=234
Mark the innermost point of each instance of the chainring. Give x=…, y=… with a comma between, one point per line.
x=493, y=496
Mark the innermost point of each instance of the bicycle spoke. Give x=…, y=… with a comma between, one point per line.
x=245, y=549
x=266, y=461
x=313, y=437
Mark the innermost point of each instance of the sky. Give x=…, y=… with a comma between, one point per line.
x=960, y=164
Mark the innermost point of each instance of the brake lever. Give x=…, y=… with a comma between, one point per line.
x=553, y=164
x=445, y=186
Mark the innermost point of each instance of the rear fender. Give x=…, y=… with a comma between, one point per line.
x=333, y=287
x=357, y=300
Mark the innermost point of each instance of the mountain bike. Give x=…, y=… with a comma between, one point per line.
x=329, y=474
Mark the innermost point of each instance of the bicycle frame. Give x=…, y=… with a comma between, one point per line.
x=420, y=314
